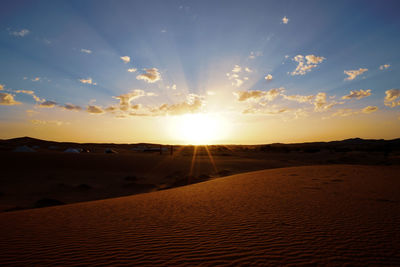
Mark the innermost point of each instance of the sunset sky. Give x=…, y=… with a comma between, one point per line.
x=238, y=72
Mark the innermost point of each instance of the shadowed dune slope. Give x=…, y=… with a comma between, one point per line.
x=300, y=215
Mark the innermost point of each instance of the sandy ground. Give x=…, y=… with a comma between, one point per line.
x=300, y=215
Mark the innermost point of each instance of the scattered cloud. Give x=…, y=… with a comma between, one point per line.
x=300, y=98
x=32, y=93
x=87, y=51
x=48, y=104
x=93, y=109
x=125, y=99
x=237, y=69
x=8, y=99
x=132, y=70
x=320, y=103
x=345, y=112
x=257, y=95
x=36, y=79
x=125, y=59
x=384, y=67
x=173, y=87
x=268, y=77
x=369, y=109
x=253, y=54
x=42, y=122
x=193, y=104
x=358, y=94
x=152, y=75
x=352, y=74
x=31, y=112
x=285, y=20
x=1, y=87
x=248, y=69
x=69, y=106
x=164, y=31
x=88, y=81
x=306, y=63
x=237, y=82
x=20, y=33
x=391, y=98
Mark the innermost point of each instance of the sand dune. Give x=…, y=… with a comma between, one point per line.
x=301, y=215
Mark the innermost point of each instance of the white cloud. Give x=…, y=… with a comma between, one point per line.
x=285, y=20
x=248, y=69
x=358, y=94
x=268, y=77
x=87, y=51
x=173, y=87
x=385, y=66
x=88, y=81
x=125, y=99
x=300, y=98
x=152, y=75
x=132, y=70
x=237, y=68
x=36, y=79
x=8, y=99
x=391, y=98
x=320, y=103
x=29, y=92
x=42, y=122
x=369, y=109
x=258, y=95
x=192, y=104
x=306, y=63
x=352, y=74
x=1, y=87
x=125, y=59
x=253, y=54
x=20, y=33
x=93, y=109
x=345, y=112
x=237, y=82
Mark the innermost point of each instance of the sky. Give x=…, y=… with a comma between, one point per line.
x=187, y=72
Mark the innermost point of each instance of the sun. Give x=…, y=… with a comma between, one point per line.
x=199, y=128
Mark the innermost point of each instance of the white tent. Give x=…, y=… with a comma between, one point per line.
x=24, y=149
x=72, y=150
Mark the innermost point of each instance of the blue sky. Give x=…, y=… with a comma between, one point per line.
x=190, y=49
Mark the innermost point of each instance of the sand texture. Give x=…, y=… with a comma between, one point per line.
x=301, y=215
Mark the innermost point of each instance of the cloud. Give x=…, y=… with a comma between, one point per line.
x=69, y=106
x=237, y=82
x=299, y=98
x=125, y=59
x=8, y=99
x=152, y=75
x=36, y=79
x=285, y=20
x=132, y=70
x=306, y=63
x=93, y=109
x=1, y=87
x=88, y=81
x=125, y=99
x=173, y=87
x=29, y=92
x=391, y=97
x=352, y=74
x=236, y=69
x=369, y=109
x=193, y=104
x=320, y=103
x=385, y=66
x=266, y=111
x=257, y=95
x=248, y=69
x=48, y=104
x=42, y=122
x=87, y=51
x=20, y=33
x=344, y=112
x=268, y=77
x=358, y=94
x=253, y=54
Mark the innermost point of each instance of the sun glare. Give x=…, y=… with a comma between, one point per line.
x=199, y=129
